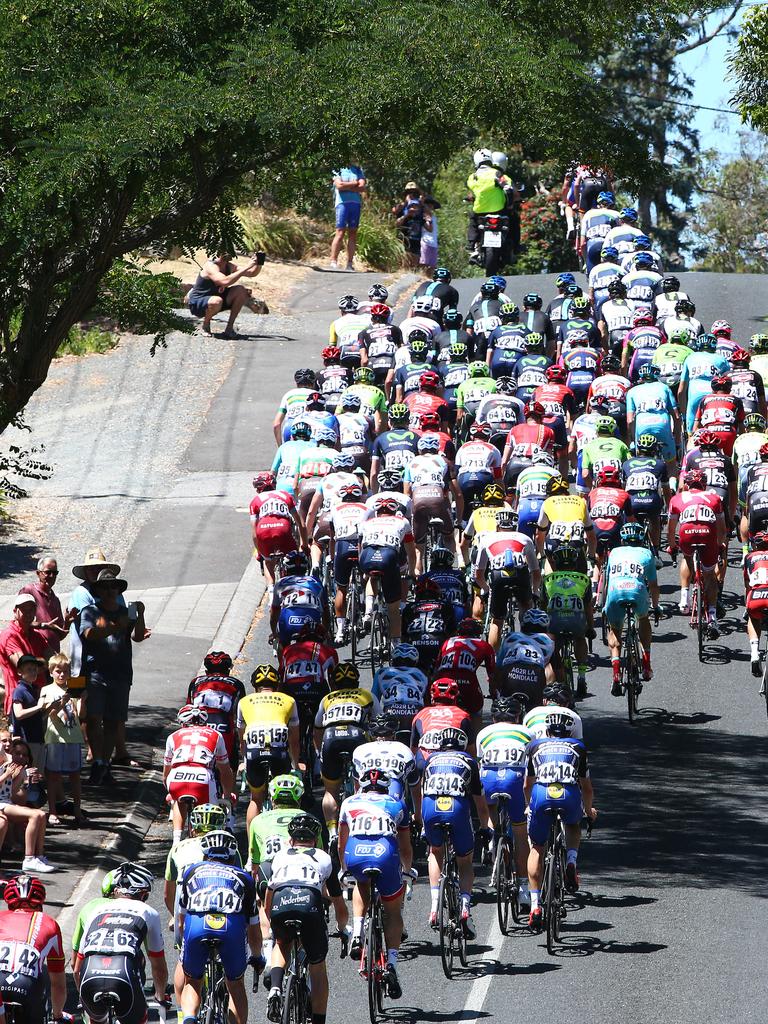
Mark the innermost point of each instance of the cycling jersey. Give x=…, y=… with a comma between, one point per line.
x=532, y=482
x=452, y=584
x=451, y=779
x=565, y=517
x=697, y=373
x=722, y=415
x=391, y=756
x=266, y=717
x=29, y=941
x=603, y=452
x=285, y=464
x=402, y=692
x=556, y=765
x=536, y=721
x=609, y=507
x=268, y=834
x=489, y=196
x=530, y=373
x=500, y=412
x=616, y=314
x=471, y=392
x=432, y=724
x=453, y=375
x=372, y=820
x=557, y=399
x=475, y=457
x=304, y=668
x=313, y=464
x=600, y=277
x=425, y=403
x=670, y=360
x=596, y=223
x=747, y=385
x=332, y=382
x=292, y=405
x=577, y=325
x=756, y=582
x=351, y=706
x=405, y=504
x=698, y=513
x=614, y=387
x=520, y=666
x=644, y=476
x=716, y=467
x=506, y=343
x=421, y=323
x=271, y=505
x=641, y=286
x=443, y=295
x=395, y=448
x=217, y=902
x=461, y=658
x=528, y=438
x=622, y=237
x=219, y=695
x=344, y=333
x=302, y=601
x=355, y=433
x=372, y=400
x=385, y=531
x=665, y=303
x=568, y=596
x=430, y=472
x=117, y=927
x=582, y=365
x=631, y=570
x=507, y=550
x=380, y=342
x=653, y=405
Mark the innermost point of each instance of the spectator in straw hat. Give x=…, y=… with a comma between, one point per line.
x=20, y=637
x=108, y=631
x=409, y=215
x=95, y=560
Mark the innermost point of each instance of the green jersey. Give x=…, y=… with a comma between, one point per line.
x=315, y=462
x=472, y=391
x=372, y=399
x=603, y=451
x=568, y=595
x=268, y=833
x=670, y=360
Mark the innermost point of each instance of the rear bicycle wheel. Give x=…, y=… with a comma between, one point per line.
x=447, y=914
x=292, y=1013
x=372, y=961
x=501, y=873
x=353, y=610
x=701, y=624
x=554, y=899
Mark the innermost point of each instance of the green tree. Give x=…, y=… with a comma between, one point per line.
x=749, y=67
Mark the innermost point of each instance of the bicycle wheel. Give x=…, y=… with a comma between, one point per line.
x=553, y=898
x=568, y=665
x=701, y=625
x=501, y=873
x=292, y=1013
x=447, y=913
x=352, y=614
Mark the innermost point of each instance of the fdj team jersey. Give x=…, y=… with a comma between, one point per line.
x=215, y=888
x=553, y=761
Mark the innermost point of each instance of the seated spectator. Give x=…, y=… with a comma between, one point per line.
x=63, y=740
x=15, y=768
x=216, y=289
x=49, y=617
x=27, y=720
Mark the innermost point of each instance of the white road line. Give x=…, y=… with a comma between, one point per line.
x=480, y=986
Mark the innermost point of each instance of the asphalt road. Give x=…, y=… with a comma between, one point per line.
x=670, y=920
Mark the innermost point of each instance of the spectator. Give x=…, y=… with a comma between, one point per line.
x=409, y=215
x=18, y=638
x=428, y=257
x=94, y=561
x=348, y=186
x=216, y=289
x=63, y=740
x=27, y=708
x=15, y=767
x=108, y=630
x=49, y=617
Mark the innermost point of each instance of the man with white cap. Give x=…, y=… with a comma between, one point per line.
x=18, y=638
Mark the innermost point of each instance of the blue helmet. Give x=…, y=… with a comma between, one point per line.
x=499, y=281
x=609, y=252
x=606, y=197
x=629, y=213
x=642, y=242
x=643, y=259
x=563, y=279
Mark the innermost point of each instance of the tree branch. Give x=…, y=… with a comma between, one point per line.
x=696, y=43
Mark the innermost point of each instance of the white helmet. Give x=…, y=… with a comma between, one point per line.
x=422, y=304
x=482, y=156
x=499, y=160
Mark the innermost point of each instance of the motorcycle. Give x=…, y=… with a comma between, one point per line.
x=495, y=242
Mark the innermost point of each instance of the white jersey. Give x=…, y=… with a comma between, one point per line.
x=390, y=756
x=536, y=721
x=347, y=518
x=348, y=327
x=405, y=503
x=665, y=304
x=427, y=471
x=478, y=457
x=330, y=486
x=584, y=429
x=371, y=814
x=302, y=866
x=422, y=323
x=496, y=408
x=524, y=557
x=355, y=432
x=533, y=480
x=503, y=745
x=385, y=532
x=622, y=237
x=678, y=323
x=617, y=314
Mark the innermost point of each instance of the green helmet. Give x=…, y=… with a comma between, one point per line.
x=398, y=413
x=207, y=817
x=633, y=535
x=458, y=350
x=479, y=369
x=509, y=311
x=759, y=342
x=680, y=336
x=363, y=375
x=534, y=340
x=755, y=421
x=286, y=789
x=417, y=347
x=647, y=444
x=605, y=425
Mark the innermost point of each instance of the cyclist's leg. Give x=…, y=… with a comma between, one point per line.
x=614, y=614
x=238, y=1000
x=194, y=957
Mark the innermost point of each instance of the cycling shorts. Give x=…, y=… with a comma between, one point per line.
x=193, y=780
x=274, y=536
x=504, y=586
x=505, y=780
x=385, y=562
x=557, y=426
x=431, y=506
x=292, y=619
x=322, y=530
x=472, y=486
x=376, y=852
x=560, y=623
x=757, y=602
x=607, y=539
x=26, y=995
x=345, y=557
x=621, y=591
x=428, y=647
x=228, y=932
x=528, y=515
x=438, y=811
x=525, y=679
x=112, y=974
x=259, y=770
x=303, y=905
x=338, y=741
x=646, y=504
x=696, y=391
x=693, y=533
x=567, y=799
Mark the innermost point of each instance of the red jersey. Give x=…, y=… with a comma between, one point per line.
x=304, y=667
x=611, y=386
x=431, y=724
x=609, y=507
x=277, y=504
x=461, y=657
x=527, y=438
x=756, y=575
x=696, y=508
x=421, y=402
x=29, y=939
x=557, y=399
x=219, y=695
x=195, y=745
x=721, y=414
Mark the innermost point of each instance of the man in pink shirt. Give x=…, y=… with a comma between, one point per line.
x=49, y=617
x=20, y=637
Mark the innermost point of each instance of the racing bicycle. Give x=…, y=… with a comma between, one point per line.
x=504, y=877
x=553, y=886
x=698, y=600
x=631, y=665
x=453, y=939
x=373, y=960
x=295, y=998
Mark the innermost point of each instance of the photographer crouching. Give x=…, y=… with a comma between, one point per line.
x=216, y=289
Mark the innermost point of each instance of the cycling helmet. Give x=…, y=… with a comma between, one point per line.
x=505, y=385
x=642, y=316
x=721, y=382
x=489, y=290
x=558, y=693
x=564, y=279
x=346, y=676
x=759, y=343
x=301, y=430
x=305, y=378
x=190, y=714
x=480, y=431
x=534, y=620
x=542, y=458
x=499, y=281
x=700, y=343
x=608, y=476
x=419, y=338
x=405, y=654
x=428, y=444
x=648, y=372
x=509, y=312
x=633, y=535
x=374, y=780
x=131, y=880
x=647, y=444
x=331, y=354
x=380, y=311
x=493, y=494
x=605, y=198
x=721, y=329
x=740, y=357
x=363, y=375
x=609, y=364
x=441, y=558
x=556, y=374
x=458, y=350
x=629, y=213
x=609, y=253
x=695, y=479
x=670, y=284
x=680, y=336
x=343, y=463
x=566, y=557
x=760, y=540
x=600, y=403
x=444, y=691
x=304, y=828
x=707, y=343
x=482, y=156
x=559, y=725
x=642, y=242
x=390, y=479
x=580, y=303
x=378, y=293
x=399, y=413
x=422, y=305
x=605, y=426
x=315, y=401
x=350, y=492
x=348, y=304
x=325, y=435
x=479, y=369
x=387, y=507
x=206, y=817
x=429, y=380
x=217, y=663
x=706, y=439
x=617, y=289
x=295, y=563
x=643, y=260
x=532, y=300
x=264, y=481
x=557, y=485
x=24, y=892
x=506, y=709
x=578, y=337
x=383, y=725
x=469, y=627
x=685, y=306
x=534, y=411
x=452, y=318
x=506, y=519
x=442, y=274
x=534, y=341
x=453, y=739
x=425, y=587
x=286, y=789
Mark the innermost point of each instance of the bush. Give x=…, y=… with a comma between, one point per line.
x=378, y=243
x=282, y=234
x=81, y=342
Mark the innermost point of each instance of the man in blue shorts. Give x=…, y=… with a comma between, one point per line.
x=348, y=186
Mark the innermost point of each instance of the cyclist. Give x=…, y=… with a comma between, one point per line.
x=452, y=333
x=193, y=755
x=531, y=491
x=373, y=401
x=564, y=517
x=557, y=309
x=401, y=688
x=391, y=489
x=355, y=434
x=287, y=455
x=756, y=595
x=341, y=726
x=584, y=430
x=501, y=411
x=624, y=234
x=506, y=343
x=347, y=470
x=683, y=316
x=110, y=936
x=379, y=342
x=410, y=366
x=483, y=316
x=386, y=541
x=470, y=393
x=450, y=772
x=558, y=698
x=428, y=620
x=422, y=319
x=314, y=463
x=557, y=779
x=217, y=906
x=699, y=513
x=219, y=693
x=31, y=941
x=696, y=378
x=610, y=506
x=531, y=368
x=746, y=384
x=452, y=582
x=268, y=724
x=394, y=448
x=578, y=323
x=454, y=372
x=525, y=439
x=368, y=827
x=523, y=659
x=670, y=357
x=605, y=451
x=275, y=521
x=298, y=599
x=346, y=520
x=610, y=388
x=642, y=281
x=569, y=606
x=641, y=342
x=441, y=717
x=595, y=225
x=615, y=317
x=460, y=659
x=647, y=482
x=305, y=667
x=429, y=482
x=631, y=579
x=440, y=290
x=478, y=463
x=501, y=750
x=601, y=275
x=295, y=892
x=746, y=449
x=708, y=456
x=537, y=321
x=333, y=379
x=652, y=409
x=721, y=413
x=293, y=403
x=667, y=296
x=583, y=365
x=559, y=404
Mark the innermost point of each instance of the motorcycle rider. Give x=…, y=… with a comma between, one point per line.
x=491, y=192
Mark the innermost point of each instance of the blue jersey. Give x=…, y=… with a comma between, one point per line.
x=452, y=583
x=373, y=815
x=653, y=404
x=582, y=365
x=703, y=366
x=395, y=448
x=451, y=773
x=286, y=463
x=407, y=377
x=506, y=343
x=212, y=887
x=453, y=374
x=402, y=691
x=530, y=373
x=553, y=761
x=630, y=566
x=299, y=592
x=600, y=277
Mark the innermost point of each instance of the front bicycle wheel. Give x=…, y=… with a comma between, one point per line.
x=502, y=877
x=447, y=913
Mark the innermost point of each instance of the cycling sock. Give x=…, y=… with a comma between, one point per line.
x=434, y=894
x=176, y=836
x=357, y=927
x=369, y=604
x=684, y=595
x=392, y=957
x=754, y=649
x=570, y=856
x=534, y=899
x=340, y=622
x=712, y=613
x=276, y=977
x=616, y=666
x=466, y=897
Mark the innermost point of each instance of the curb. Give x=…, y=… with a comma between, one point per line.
x=235, y=626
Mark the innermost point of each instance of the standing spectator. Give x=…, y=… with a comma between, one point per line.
x=27, y=706
x=108, y=630
x=18, y=638
x=428, y=257
x=95, y=560
x=348, y=186
x=63, y=739
x=49, y=617
x=409, y=215
x=216, y=288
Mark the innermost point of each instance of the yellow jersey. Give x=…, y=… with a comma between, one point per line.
x=566, y=516
x=266, y=718
x=353, y=706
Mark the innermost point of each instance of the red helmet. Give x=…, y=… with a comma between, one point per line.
x=695, y=480
x=24, y=891
x=469, y=627
x=706, y=439
x=444, y=691
x=429, y=381
x=643, y=315
x=608, y=476
x=425, y=587
x=557, y=374
x=430, y=420
x=763, y=452
x=380, y=311
x=740, y=357
x=721, y=329
x=722, y=383
x=480, y=431
x=759, y=540
x=331, y=354
x=264, y=481
x=535, y=410
x=387, y=507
